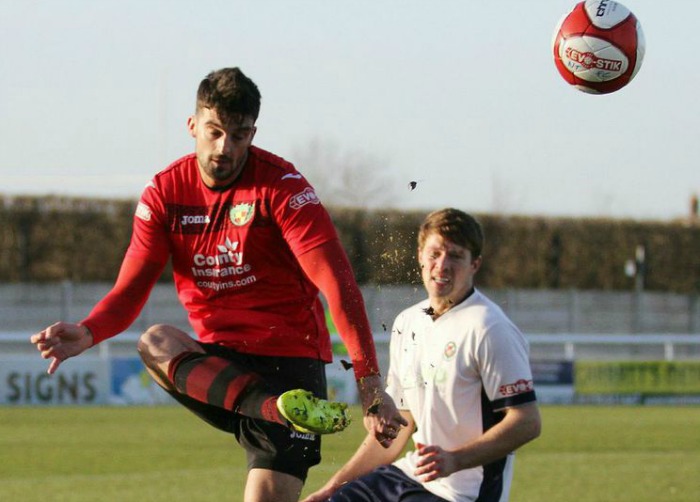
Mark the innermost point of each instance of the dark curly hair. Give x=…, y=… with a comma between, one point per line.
x=230, y=93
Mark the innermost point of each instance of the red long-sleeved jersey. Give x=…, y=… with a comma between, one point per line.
x=236, y=257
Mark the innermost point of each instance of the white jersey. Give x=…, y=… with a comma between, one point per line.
x=456, y=374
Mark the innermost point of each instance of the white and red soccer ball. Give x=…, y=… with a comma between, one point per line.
x=598, y=46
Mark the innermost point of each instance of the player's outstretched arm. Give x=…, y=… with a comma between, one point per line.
x=329, y=269
x=369, y=456
x=60, y=341
x=112, y=315
x=122, y=305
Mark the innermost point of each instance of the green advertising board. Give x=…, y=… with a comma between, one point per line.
x=643, y=377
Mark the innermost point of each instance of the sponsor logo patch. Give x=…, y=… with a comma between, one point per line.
x=308, y=196
x=302, y=435
x=227, y=254
x=224, y=269
x=143, y=212
x=519, y=387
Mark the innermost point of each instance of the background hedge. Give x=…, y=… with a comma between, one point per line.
x=46, y=239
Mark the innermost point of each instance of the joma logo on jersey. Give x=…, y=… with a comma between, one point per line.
x=511, y=389
x=589, y=60
x=195, y=220
x=308, y=196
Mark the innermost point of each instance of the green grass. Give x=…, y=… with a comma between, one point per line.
x=167, y=454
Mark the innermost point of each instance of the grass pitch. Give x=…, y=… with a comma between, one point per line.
x=165, y=453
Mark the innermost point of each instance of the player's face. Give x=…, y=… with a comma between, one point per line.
x=221, y=149
x=447, y=270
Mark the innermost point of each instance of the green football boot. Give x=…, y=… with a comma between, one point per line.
x=309, y=414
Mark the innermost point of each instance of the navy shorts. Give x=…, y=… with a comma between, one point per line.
x=268, y=445
x=386, y=483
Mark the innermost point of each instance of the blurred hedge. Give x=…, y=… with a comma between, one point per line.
x=56, y=238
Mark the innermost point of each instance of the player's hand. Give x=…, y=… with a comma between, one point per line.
x=381, y=417
x=60, y=341
x=434, y=462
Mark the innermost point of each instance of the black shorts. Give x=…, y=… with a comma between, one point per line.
x=268, y=445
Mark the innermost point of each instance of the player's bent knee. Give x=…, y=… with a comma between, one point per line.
x=162, y=340
x=160, y=343
x=158, y=334
x=158, y=346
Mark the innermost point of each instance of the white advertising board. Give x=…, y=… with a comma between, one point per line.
x=24, y=381
x=111, y=380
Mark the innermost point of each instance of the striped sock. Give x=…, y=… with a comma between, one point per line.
x=217, y=381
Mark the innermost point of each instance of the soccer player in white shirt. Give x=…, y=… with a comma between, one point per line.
x=459, y=374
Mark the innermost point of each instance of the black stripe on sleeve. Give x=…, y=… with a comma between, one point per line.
x=516, y=400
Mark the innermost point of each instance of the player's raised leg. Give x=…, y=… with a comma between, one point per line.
x=180, y=364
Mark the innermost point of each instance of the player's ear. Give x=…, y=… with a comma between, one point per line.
x=476, y=264
x=192, y=125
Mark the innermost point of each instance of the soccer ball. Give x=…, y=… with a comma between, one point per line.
x=598, y=46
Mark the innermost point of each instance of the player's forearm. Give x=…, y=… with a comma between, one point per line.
x=329, y=269
x=347, y=309
x=112, y=315
x=351, y=321
x=370, y=388
x=520, y=426
x=122, y=305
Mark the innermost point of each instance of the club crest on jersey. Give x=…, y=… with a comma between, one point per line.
x=241, y=214
x=450, y=350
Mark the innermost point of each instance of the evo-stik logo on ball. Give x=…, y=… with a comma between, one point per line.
x=589, y=60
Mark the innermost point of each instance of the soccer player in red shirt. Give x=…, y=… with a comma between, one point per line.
x=251, y=246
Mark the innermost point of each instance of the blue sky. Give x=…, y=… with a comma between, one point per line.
x=459, y=94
